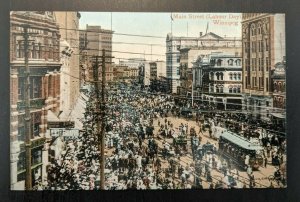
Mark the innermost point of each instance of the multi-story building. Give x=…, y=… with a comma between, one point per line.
x=157, y=72
x=70, y=73
x=263, y=47
x=208, y=41
x=278, y=78
x=218, y=80
x=188, y=55
x=124, y=73
x=93, y=40
x=44, y=64
x=144, y=74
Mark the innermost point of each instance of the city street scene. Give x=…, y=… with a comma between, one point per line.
x=117, y=101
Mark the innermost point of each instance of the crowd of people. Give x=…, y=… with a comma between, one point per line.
x=145, y=149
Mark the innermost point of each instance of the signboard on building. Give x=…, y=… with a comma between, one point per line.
x=66, y=133
x=61, y=124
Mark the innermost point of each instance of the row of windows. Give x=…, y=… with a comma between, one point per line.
x=260, y=65
x=220, y=89
x=230, y=62
x=220, y=76
x=260, y=83
x=36, y=51
x=260, y=46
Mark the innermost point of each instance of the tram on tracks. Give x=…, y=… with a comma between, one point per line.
x=241, y=151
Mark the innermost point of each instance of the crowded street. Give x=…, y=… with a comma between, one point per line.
x=152, y=144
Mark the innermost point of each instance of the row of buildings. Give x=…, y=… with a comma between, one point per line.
x=246, y=73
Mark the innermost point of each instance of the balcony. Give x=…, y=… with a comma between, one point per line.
x=37, y=103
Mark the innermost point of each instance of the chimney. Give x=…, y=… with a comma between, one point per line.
x=200, y=33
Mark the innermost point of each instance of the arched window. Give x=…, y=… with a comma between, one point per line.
x=211, y=76
x=279, y=87
x=217, y=89
x=230, y=62
x=219, y=62
x=259, y=29
x=222, y=75
x=275, y=87
x=234, y=90
x=253, y=30
x=218, y=75
x=238, y=62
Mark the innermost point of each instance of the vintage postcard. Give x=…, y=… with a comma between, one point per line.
x=133, y=100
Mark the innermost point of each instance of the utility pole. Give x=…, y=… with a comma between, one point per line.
x=101, y=106
x=28, y=130
x=96, y=85
x=102, y=177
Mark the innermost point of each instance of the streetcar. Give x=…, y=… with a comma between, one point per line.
x=240, y=151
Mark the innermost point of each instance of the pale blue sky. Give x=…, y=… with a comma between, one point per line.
x=159, y=24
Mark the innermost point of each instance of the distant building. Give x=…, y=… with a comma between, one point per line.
x=157, y=72
x=209, y=42
x=263, y=47
x=144, y=74
x=132, y=62
x=93, y=40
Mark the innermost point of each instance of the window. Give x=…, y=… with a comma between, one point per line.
x=246, y=47
x=253, y=30
x=267, y=44
x=230, y=89
x=259, y=29
x=238, y=62
x=239, y=76
x=219, y=62
x=21, y=88
x=21, y=128
x=35, y=86
x=221, y=74
x=234, y=90
x=230, y=62
x=221, y=89
x=235, y=76
x=211, y=76
x=36, y=156
x=239, y=90
x=21, y=162
x=230, y=76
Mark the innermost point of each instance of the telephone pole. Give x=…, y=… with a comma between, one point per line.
x=28, y=130
x=101, y=106
x=102, y=177
x=96, y=85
